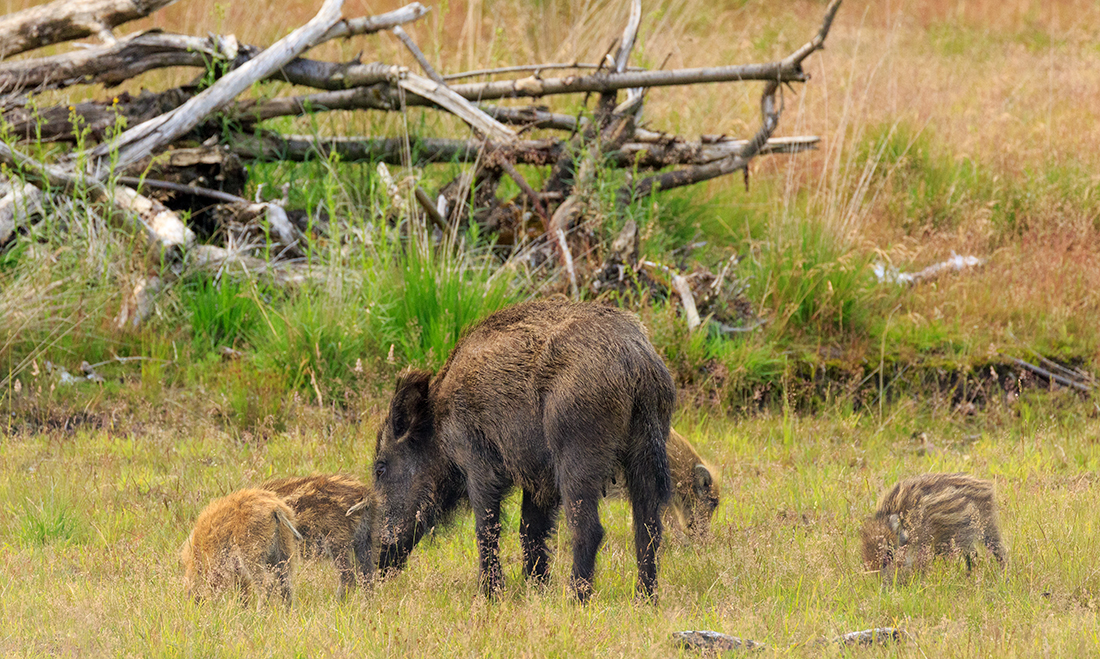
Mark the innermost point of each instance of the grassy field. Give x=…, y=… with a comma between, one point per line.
x=946, y=126
x=93, y=519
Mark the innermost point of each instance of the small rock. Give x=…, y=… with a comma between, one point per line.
x=713, y=641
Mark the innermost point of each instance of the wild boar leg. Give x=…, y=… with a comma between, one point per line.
x=486, y=507
x=536, y=524
x=347, y=575
x=991, y=535
x=582, y=514
x=647, y=533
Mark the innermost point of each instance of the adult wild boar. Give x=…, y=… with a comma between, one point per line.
x=245, y=539
x=336, y=517
x=926, y=515
x=552, y=397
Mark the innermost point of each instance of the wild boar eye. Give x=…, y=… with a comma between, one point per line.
x=379, y=469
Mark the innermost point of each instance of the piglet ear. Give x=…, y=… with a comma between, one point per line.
x=702, y=479
x=894, y=522
x=410, y=406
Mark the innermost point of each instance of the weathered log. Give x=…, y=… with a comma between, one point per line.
x=96, y=120
x=642, y=155
x=135, y=54
x=161, y=226
x=18, y=207
x=529, y=68
x=442, y=96
x=64, y=20
x=140, y=141
x=666, y=181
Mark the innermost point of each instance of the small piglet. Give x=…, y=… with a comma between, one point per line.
x=927, y=515
x=246, y=539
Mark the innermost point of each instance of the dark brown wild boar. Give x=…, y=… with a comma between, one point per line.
x=695, y=494
x=336, y=517
x=930, y=514
x=552, y=397
x=245, y=539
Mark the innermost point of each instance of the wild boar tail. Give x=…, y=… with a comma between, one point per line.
x=649, y=430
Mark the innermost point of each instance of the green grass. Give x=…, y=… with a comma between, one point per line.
x=782, y=566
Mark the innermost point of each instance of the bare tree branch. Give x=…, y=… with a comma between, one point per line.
x=429, y=70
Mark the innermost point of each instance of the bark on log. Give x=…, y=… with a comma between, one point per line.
x=142, y=140
x=64, y=20
x=643, y=155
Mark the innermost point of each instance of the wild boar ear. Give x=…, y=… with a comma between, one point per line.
x=894, y=522
x=410, y=401
x=702, y=477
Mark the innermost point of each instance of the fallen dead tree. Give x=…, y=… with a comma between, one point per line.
x=162, y=171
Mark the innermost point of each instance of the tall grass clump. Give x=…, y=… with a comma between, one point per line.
x=50, y=520
x=317, y=339
x=442, y=292
x=810, y=281
x=222, y=312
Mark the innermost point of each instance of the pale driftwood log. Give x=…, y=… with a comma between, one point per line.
x=140, y=141
x=643, y=155
x=135, y=54
x=622, y=55
x=19, y=207
x=64, y=20
x=160, y=226
x=687, y=299
x=567, y=261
